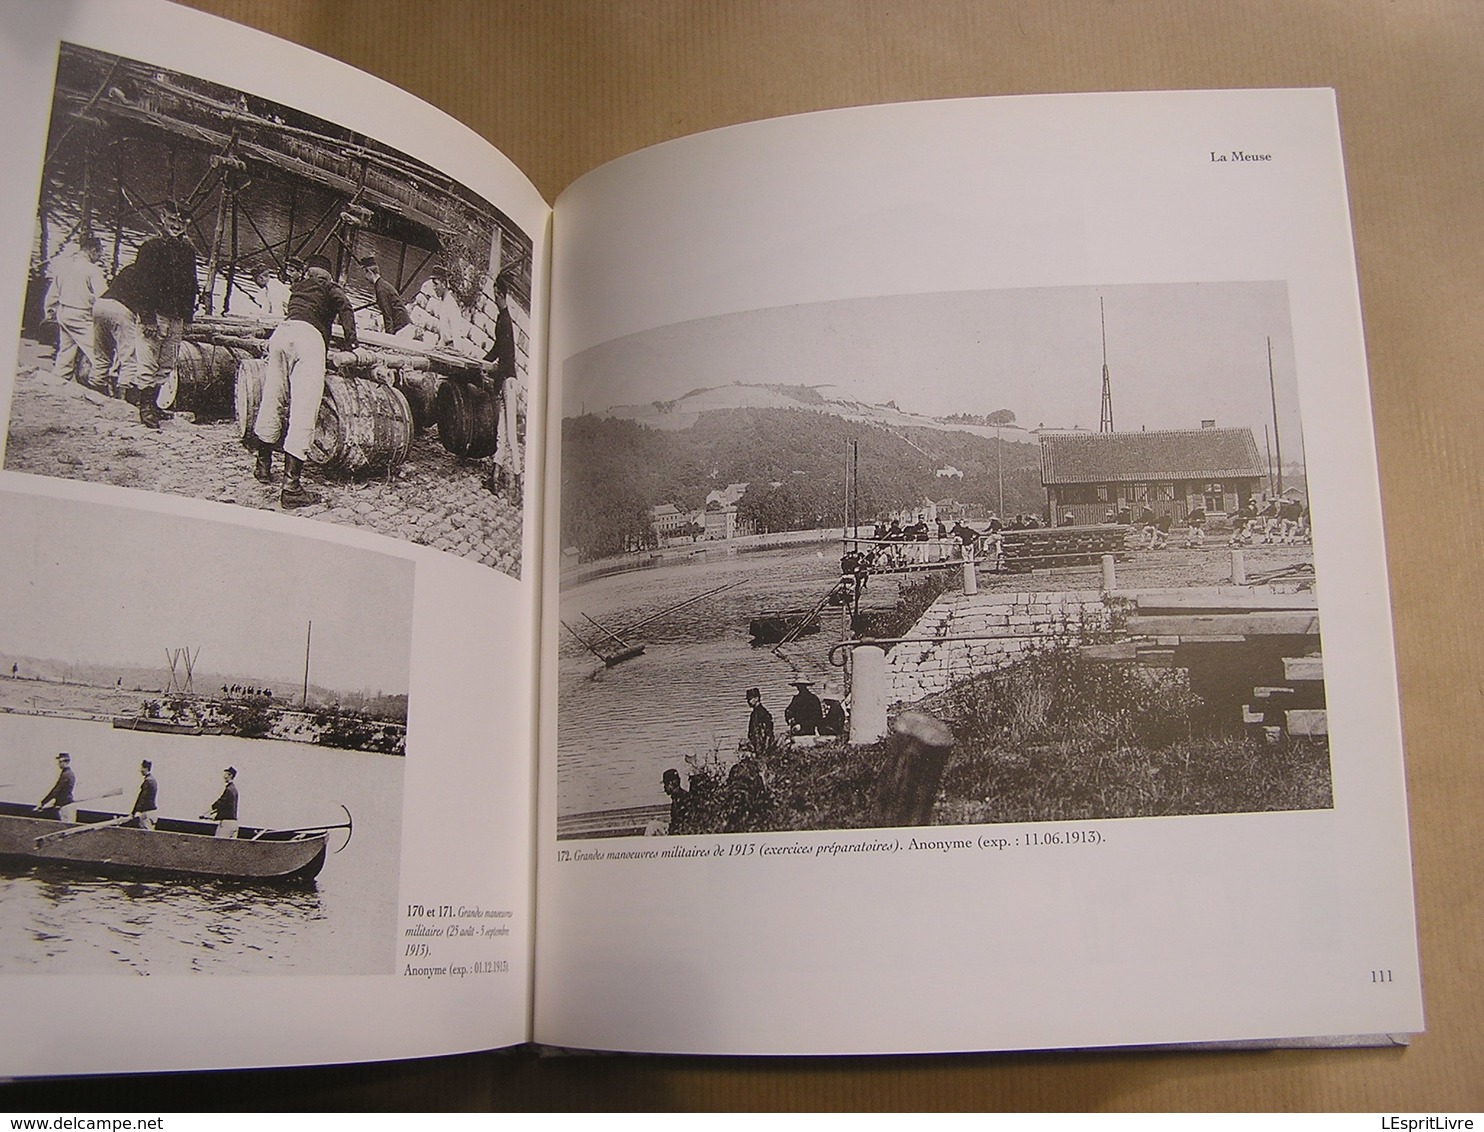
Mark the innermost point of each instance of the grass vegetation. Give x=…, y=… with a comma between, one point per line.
x=1052, y=737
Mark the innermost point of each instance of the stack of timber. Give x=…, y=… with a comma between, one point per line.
x=1239, y=646
x=1046, y=547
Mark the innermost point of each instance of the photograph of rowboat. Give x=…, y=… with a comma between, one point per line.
x=232, y=806
x=109, y=844
x=185, y=231
x=965, y=558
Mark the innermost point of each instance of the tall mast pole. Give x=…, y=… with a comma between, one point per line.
x=1105, y=423
x=855, y=488
x=304, y=702
x=1277, y=438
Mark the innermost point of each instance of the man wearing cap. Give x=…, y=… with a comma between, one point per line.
x=394, y=317
x=445, y=310
x=224, y=810
x=146, y=801
x=167, y=288
x=759, y=724
x=505, y=472
x=77, y=283
x=804, y=713
x=294, y=382
x=59, y=797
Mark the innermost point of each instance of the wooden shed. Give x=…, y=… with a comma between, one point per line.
x=1090, y=474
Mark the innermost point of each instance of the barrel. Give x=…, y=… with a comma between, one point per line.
x=468, y=419
x=246, y=397
x=362, y=424
x=205, y=378
x=421, y=390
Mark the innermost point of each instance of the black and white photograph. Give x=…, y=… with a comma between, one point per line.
x=203, y=731
x=233, y=300
x=971, y=558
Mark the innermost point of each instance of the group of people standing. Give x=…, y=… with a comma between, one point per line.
x=60, y=802
x=122, y=338
x=805, y=714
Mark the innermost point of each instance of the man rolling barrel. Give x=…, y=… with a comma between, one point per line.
x=294, y=382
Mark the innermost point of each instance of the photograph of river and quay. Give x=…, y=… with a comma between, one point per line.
x=420, y=433
x=102, y=606
x=1138, y=634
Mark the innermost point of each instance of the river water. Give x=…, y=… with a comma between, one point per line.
x=620, y=728
x=55, y=922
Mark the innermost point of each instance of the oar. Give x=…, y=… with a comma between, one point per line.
x=114, y=793
x=89, y=828
x=681, y=605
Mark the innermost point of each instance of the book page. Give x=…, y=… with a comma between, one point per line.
x=268, y=576
x=952, y=495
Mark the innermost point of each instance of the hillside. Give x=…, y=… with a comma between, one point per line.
x=685, y=411
x=614, y=469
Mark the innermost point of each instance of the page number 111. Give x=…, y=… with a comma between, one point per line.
x=1381, y=976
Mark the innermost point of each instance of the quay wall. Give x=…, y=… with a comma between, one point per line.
x=1006, y=624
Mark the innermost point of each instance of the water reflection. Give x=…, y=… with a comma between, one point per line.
x=620, y=728
x=96, y=926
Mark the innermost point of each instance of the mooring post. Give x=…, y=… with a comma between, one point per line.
x=1239, y=571
x=867, y=694
x=971, y=579
x=917, y=752
x=1108, y=578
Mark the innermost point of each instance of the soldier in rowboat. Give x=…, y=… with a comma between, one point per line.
x=146, y=802
x=59, y=798
x=224, y=810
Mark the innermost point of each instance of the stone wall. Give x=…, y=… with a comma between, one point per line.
x=1009, y=625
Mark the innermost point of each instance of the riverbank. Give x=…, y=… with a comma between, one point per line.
x=1053, y=737
x=58, y=700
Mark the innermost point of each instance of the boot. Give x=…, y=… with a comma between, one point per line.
x=262, y=469
x=149, y=416
x=294, y=493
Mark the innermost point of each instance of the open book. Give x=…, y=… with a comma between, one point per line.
x=843, y=584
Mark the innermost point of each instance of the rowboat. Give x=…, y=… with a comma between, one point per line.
x=99, y=842
x=770, y=626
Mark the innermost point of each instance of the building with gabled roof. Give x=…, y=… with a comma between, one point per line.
x=1088, y=474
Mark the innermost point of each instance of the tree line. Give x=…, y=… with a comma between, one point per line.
x=793, y=460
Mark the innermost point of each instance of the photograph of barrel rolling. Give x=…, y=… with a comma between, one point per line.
x=974, y=558
x=233, y=300
x=205, y=778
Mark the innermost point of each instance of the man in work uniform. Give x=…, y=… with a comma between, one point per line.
x=167, y=288
x=759, y=724
x=146, y=802
x=59, y=797
x=294, y=382
x=77, y=282
x=116, y=333
x=506, y=469
x=394, y=316
x=224, y=810
x=804, y=713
